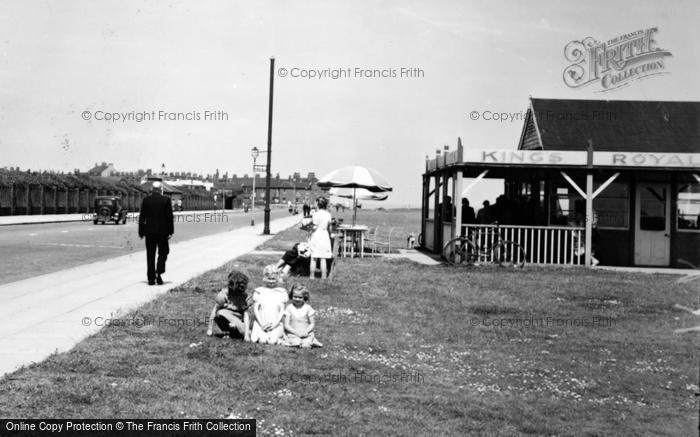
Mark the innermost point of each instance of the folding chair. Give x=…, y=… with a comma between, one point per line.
x=375, y=242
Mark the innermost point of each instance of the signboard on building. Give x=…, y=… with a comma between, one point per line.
x=636, y=159
x=531, y=157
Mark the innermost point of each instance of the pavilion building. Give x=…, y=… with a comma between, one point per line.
x=618, y=178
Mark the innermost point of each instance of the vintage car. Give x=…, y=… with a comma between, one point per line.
x=109, y=208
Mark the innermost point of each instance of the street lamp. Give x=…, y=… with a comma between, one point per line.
x=254, y=152
x=266, y=229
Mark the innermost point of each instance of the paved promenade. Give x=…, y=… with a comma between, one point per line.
x=44, y=314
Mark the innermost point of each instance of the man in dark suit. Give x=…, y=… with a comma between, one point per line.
x=468, y=216
x=485, y=214
x=156, y=224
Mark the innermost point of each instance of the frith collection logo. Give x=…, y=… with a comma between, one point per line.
x=614, y=63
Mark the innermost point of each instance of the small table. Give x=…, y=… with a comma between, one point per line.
x=353, y=235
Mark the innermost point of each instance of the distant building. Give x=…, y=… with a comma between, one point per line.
x=168, y=190
x=294, y=188
x=236, y=189
x=191, y=183
x=103, y=170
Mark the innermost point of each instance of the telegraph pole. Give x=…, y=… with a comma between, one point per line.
x=266, y=230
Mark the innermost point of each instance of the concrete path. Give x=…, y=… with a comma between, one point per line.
x=415, y=256
x=53, y=312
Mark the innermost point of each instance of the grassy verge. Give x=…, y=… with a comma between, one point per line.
x=394, y=226
x=409, y=350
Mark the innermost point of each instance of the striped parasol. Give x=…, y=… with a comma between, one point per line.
x=355, y=176
x=360, y=194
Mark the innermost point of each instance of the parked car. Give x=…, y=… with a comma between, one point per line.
x=107, y=209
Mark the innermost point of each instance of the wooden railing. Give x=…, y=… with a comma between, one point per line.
x=542, y=244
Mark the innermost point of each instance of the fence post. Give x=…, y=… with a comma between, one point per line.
x=54, y=203
x=27, y=196
x=41, y=199
x=12, y=199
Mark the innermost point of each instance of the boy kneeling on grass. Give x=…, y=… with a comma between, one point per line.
x=230, y=310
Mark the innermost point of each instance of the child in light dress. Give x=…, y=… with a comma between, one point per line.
x=268, y=308
x=299, y=319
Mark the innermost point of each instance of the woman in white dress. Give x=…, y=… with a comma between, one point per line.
x=320, y=242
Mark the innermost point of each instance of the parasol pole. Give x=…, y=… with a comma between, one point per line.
x=354, y=206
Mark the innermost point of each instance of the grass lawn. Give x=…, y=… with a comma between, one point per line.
x=409, y=350
x=394, y=227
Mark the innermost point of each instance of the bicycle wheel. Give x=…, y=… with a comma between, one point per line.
x=459, y=251
x=509, y=254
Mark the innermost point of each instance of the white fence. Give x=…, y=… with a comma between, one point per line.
x=542, y=244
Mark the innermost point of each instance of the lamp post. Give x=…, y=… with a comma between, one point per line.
x=254, y=152
x=266, y=229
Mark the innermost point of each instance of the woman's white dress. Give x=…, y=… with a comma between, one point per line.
x=320, y=242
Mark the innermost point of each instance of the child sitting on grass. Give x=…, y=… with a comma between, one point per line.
x=295, y=261
x=299, y=319
x=268, y=307
x=229, y=311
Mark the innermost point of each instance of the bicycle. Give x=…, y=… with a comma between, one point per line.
x=465, y=251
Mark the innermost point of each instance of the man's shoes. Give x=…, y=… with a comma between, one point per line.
x=151, y=282
x=159, y=279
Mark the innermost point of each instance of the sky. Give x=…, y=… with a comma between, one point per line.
x=65, y=65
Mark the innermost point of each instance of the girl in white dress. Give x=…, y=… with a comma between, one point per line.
x=268, y=309
x=320, y=242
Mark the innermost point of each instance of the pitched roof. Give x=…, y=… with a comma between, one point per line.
x=98, y=169
x=167, y=188
x=613, y=125
x=240, y=181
